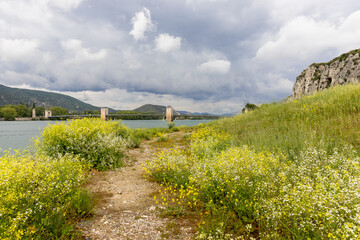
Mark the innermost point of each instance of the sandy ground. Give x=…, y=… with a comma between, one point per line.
x=125, y=206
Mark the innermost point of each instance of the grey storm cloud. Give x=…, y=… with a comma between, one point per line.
x=213, y=55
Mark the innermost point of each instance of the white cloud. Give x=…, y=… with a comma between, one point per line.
x=65, y=5
x=141, y=23
x=284, y=10
x=15, y=79
x=75, y=47
x=17, y=49
x=46, y=43
x=203, y=1
x=215, y=66
x=304, y=38
x=165, y=42
x=275, y=86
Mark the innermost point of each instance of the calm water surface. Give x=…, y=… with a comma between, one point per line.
x=18, y=135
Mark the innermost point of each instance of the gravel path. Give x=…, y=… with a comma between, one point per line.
x=126, y=209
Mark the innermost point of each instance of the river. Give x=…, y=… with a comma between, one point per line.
x=19, y=134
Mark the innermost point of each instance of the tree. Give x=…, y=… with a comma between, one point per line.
x=249, y=107
x=22, y=111
x=8, y=113
x=40, y=111
x=58, y=111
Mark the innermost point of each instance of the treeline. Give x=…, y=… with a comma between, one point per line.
x=10, y=112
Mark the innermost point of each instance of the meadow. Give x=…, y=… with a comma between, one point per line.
x=287, y=170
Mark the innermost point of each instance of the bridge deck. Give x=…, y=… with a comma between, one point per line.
x=132, y=115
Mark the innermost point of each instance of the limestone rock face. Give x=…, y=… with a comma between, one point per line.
x=318, y=76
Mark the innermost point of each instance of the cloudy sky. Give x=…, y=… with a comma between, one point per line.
x=195, y=55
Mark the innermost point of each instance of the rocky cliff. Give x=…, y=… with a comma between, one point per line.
x=319, y=76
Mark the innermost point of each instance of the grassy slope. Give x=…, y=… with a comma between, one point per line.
x=254, y=192
x=331, y=116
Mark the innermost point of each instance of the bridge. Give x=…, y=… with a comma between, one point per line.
x=168, y=116
x=134, y=117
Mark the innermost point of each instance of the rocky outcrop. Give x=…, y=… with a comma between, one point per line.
x=318, y=76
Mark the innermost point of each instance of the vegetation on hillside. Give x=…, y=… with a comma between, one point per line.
x=341, y=58
x=330, y=116
x=41, y=98
x=10, y=112
x=284, y=171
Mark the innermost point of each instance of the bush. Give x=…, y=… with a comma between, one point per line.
x=58, y=111
x=175, y=129
x=97, y=142
x=249, y=107
x=8, y=113
x=171, y=125
x=39, y=196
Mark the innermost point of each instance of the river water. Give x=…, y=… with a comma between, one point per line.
x=19, y=134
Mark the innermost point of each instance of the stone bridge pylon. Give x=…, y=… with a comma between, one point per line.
x=169, y=114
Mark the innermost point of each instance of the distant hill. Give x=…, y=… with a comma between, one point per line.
x=15, y=96
x=158, y=109
x=149, y=108
x=194, y=113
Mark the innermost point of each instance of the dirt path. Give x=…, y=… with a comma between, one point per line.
x=126, y=208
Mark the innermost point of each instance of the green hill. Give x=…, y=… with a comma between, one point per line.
x=41, y=98
x=149, y=108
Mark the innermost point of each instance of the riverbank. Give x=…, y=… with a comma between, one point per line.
x=19, y=134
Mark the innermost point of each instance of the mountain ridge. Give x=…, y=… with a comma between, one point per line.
x=9, y=95
x=15, y=96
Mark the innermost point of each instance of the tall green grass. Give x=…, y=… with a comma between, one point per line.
x=331, y=116
x=284, y=171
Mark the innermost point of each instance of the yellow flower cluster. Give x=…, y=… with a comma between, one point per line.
x=37, y=194
x=259, y=193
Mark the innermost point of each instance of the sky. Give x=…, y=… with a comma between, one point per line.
x=195, y=55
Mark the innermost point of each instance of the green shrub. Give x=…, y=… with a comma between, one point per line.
x=100, y=143
x=40, y=197
x=175, y=129
x=8, y=113
x=249, y=107
x=58, y=111
x=171, y=125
